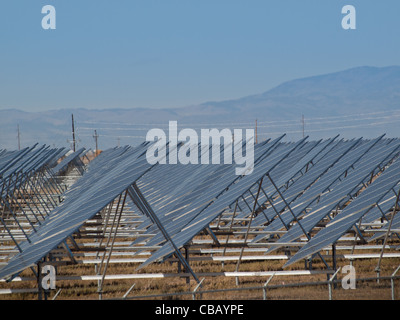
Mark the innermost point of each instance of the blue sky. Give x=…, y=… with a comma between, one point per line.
x=174, y=53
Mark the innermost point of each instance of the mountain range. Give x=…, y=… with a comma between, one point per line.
x=358, y=102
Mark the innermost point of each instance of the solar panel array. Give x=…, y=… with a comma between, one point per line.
x=29, y=190
x=383, y=185
x=341, y=193
x=293, y=188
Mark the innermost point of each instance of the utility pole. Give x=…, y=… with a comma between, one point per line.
x=95, y=139
x=303, y=123
x=19, y=138
x=256, y=133
x=73, y=134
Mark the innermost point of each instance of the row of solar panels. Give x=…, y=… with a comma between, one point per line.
x=337, y=171
x=28, y=159
x=18, y=166
x=29, y=188
x=294, y=186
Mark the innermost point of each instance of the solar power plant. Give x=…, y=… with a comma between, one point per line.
x=302, y=198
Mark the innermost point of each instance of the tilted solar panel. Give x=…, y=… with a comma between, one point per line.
x=185, y=232
x=325, y=182
x=64, y=163
x=342, y=192
x=333, y=154
x=351, y=214
x=90, y=195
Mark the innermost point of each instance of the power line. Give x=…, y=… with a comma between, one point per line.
x=376, y=124
x=310, y=123
x=314, y=125
x=260, y=124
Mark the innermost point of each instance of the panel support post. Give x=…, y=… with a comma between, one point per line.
x=145, y=207
x=294, y=216
x=249, y=225
x=230, y=230
x=42, y=294
x=378, y=267
x=39, y=281
x=334, y=262
x=113, y=233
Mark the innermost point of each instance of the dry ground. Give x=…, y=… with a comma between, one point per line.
x=365, y=290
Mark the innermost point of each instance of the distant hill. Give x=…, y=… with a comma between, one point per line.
x=362, y=101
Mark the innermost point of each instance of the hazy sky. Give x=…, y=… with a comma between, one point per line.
x=173, y=53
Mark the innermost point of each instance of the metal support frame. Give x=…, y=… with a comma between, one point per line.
x=395, y=209
x=114, y=230
x=17, y=203
x=249, y=224
x=21, y=194
x=230, y=230
x=26, y=202
x=265, y=286
x=294, y=217
x=392, y=282
x=331, y=283
x=145, y=207
x=270, y=201
x=213, y=236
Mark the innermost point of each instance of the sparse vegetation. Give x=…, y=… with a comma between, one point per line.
x=112, y=289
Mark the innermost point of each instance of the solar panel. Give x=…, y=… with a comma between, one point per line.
x=395, y=225
x=11, y=159
x=22, y=165
x=284, y=179
x=215, y=180
x=219, y=186
x=352, y=213
x=90, y=195
x=64, y=163
x=380, y=210
x=182, y=233
x=342, y=192
x=335, y=152
x=312, y=194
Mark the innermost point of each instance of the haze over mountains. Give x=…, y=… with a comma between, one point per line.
x=359, y=102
